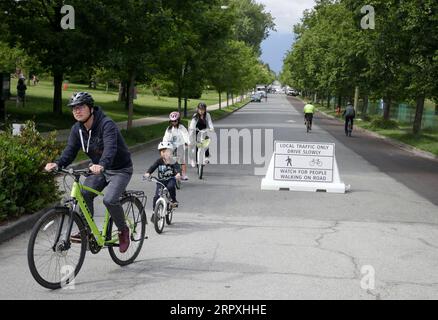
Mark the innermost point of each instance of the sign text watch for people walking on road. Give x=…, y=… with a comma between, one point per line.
x=306, y=162
x=304, y=166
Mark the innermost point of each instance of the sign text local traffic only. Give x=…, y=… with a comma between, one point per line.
x=303, y=166
x=305, y=162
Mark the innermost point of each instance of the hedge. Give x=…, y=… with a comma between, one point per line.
x=24, y=186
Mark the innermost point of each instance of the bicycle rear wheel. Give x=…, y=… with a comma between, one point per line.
x=54, y=262
x=159, y=216
x=135, y=218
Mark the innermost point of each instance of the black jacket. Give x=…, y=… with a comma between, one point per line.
x=165, y=171
x=104, y=144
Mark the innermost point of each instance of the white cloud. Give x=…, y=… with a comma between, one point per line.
x=286, y=12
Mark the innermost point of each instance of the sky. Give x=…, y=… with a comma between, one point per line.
x=286, y=13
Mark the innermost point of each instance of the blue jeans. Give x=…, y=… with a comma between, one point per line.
x=116, y=182
x=170, y=185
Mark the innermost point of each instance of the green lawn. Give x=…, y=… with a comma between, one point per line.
x=427, y=140
x=144, y=134
x=39, y=105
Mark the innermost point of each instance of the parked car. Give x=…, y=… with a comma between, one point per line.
x=292, y=92
x=256, y=97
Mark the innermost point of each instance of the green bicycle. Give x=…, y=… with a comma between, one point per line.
x=55, y=258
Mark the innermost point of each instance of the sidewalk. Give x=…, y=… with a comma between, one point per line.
x=62, y=135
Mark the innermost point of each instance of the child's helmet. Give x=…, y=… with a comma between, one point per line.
x=174, y=116
x=165, y=145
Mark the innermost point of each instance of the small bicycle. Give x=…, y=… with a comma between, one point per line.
x=55, y=259
x=202, y=145
x=164, y=209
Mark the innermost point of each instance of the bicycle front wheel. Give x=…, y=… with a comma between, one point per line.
x=169, y=216
x=159, y=216
x=53, y=261
x=135, y=218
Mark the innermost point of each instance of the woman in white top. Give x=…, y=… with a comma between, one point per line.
x=177, y=134
x=201, y=120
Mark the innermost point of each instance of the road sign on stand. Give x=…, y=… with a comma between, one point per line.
x=304, y=166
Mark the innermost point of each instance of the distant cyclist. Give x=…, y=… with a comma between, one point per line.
x=309, y=110
x=100, y=139
x=349, y=114
x=201, y=121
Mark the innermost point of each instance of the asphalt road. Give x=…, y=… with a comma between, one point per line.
x=231, y=240
x=417, y=173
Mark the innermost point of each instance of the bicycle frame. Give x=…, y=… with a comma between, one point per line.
x=202, y=146
x=76, y=195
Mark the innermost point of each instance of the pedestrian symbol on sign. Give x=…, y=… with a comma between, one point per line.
x=289, y=162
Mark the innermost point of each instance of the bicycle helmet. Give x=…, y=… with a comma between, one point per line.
x=174, y=116
x=165, y=145
x=79, y=98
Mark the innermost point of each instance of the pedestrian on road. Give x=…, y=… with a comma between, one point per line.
x=21, y=92
x=101, y=140
x=178, y=135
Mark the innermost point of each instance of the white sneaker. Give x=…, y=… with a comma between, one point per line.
x=206, y=161
x=193, y=163
x=185, y=178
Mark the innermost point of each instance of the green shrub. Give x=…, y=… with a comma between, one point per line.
x=24, y=187
x=380, y=123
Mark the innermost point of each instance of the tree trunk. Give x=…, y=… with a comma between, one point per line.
x=356, y=98
x=339, y=101
x=129, y=95
x=122, y=91
x=228, y=99
x=232, y=98
x=220, y=100
x=179, y=97
x=418, y=115
x=185, y=107
x=131, y=100
x=328, y=100
x=387, y=108
x=3, y=112
x=57, y=93
x=436, y=109
x=365, y=104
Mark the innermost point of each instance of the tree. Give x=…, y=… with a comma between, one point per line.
x=36, y=26
x=253, y=25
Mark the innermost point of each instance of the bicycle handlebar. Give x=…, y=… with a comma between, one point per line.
x=153, y=178
x=71, y=171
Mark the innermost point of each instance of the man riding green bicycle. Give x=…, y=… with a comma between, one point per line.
x=99, y=137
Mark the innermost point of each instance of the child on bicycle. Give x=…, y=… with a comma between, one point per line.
x=168, y=172
x=178, y=136
x=201, y=120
